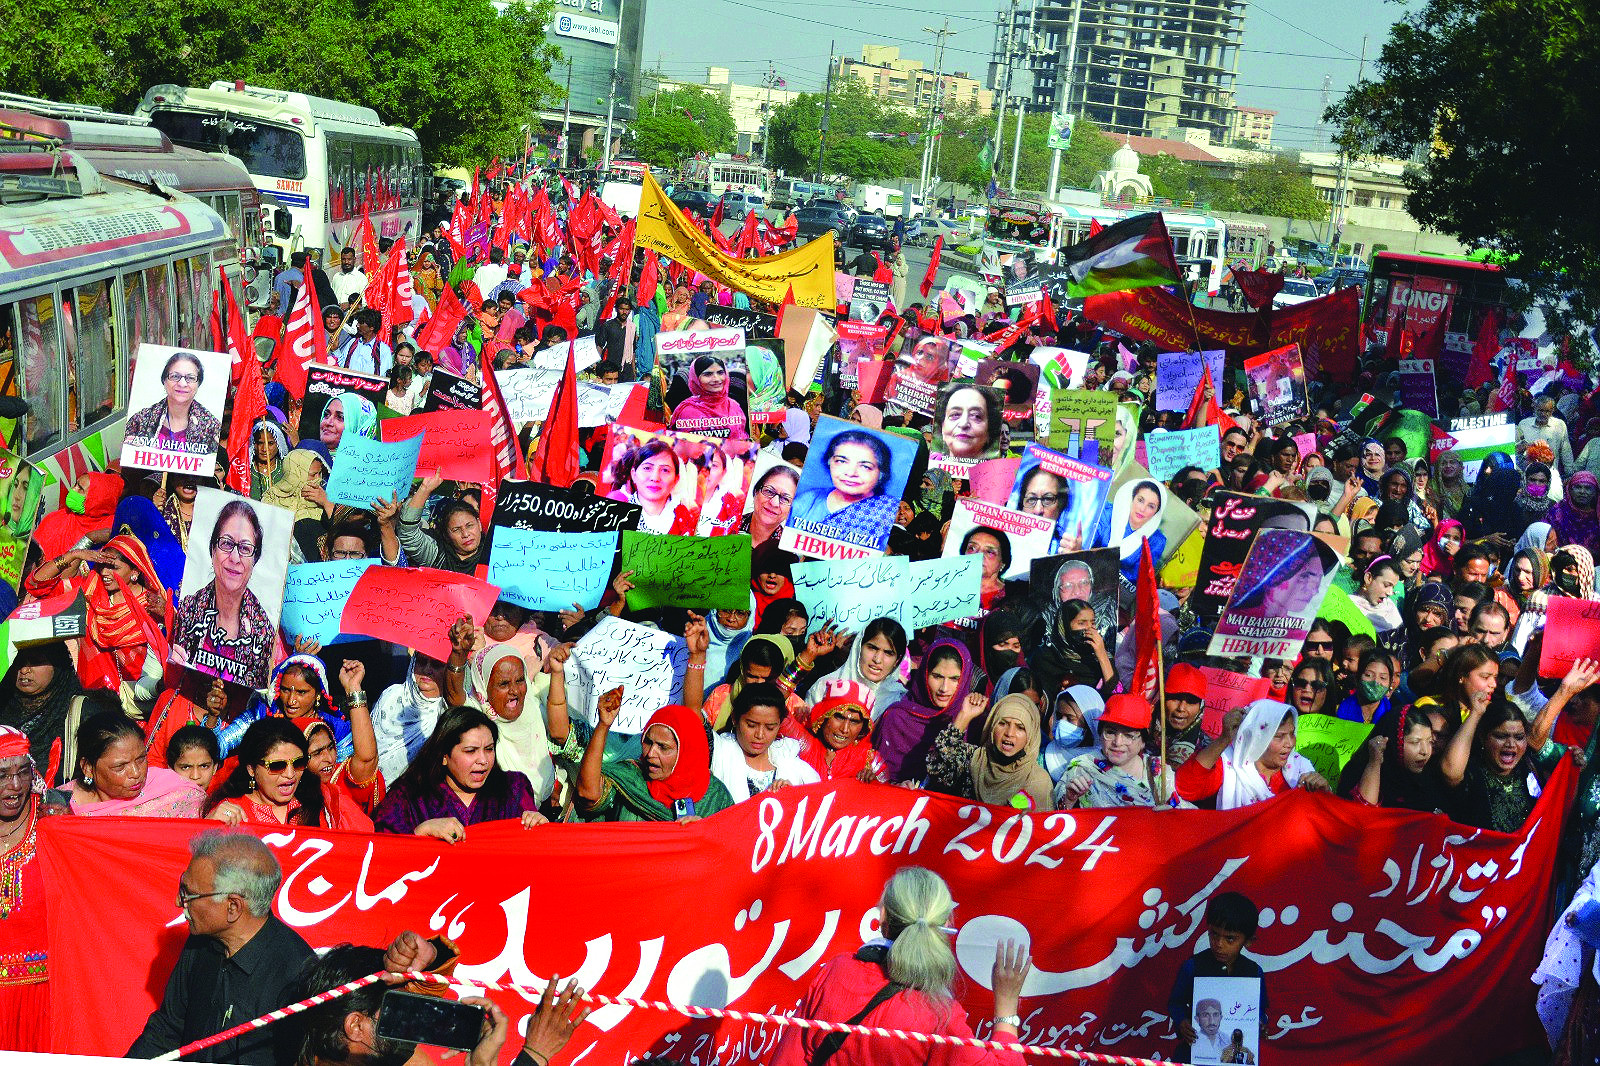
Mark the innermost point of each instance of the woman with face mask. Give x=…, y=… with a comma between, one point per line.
x=1366, y=695
x=1572, y=573
x=1533, y=499
x=1074, y=730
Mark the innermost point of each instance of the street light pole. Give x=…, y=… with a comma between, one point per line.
x=766, y=114
x=827, y=105
x=1003, y=86
x=933, y=107
x=566, y=122
x=611, y=102
x=1064, y=90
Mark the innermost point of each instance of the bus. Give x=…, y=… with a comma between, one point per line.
x=1465, y=289
x=325, y=162
x=127, y=150
x=90, y=269
x=729, y=173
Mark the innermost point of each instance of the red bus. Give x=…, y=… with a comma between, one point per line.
x=1415, y=289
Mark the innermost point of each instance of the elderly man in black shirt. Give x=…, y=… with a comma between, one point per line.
x=239, y=960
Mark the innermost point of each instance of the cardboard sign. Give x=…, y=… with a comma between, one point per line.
x=1329, y=743
x=369, y=470
x=535, y=505
x=754, y=323
x=1235, y=519
x=685, y=571
x=60, y=617
x=869, y=300
x=585, y=353
x=1277, y=595
x=415, y=606
x=172, y=388
x=1571, y=632
x=546, y=571
x=1078, y=416
x=1278, y=385
x=1168, y=453
x=1226, y=690
x=446, y=392
x=943, y=590
x=850, y=593
x=455, y=444
x=642, y=660
x=314, y=596
x=1029, y=534
x=1226, y=1020
x=323, y=383
x=1418, y=386
x=1178, y=377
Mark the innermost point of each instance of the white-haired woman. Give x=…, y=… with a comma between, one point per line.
x=901, y=980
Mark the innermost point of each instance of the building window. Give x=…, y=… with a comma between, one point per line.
x=1385, y=202
x=1363, y=198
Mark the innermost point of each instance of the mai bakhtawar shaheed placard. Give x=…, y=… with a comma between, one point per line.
x=1277, y=595
x=175, y=405
x=849, y=493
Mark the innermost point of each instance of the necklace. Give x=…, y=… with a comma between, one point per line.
x=12, y=863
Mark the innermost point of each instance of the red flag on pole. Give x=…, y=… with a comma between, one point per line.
x=1094, y=227
x=249, y=400
x=555, y=460
x=502, y=434
x=1146, y=629
x=788, y=302
x=1505, y=397
x=1481, y=371
x=304, y=341
x=649, y=279
x=933, y=267
x=441, y=328
x=370, y=261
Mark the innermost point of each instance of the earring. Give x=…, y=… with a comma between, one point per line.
x=88, y=781
x=252, y=783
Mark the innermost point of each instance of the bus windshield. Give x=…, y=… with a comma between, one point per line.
x=1018, y=224
x=265, y=150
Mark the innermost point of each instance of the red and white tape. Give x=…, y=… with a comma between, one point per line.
x=689, y=1011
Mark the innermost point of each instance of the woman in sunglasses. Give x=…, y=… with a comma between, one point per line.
x=271, y=784
x=1308, y=686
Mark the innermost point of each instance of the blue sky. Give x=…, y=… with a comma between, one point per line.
x=1290, y=46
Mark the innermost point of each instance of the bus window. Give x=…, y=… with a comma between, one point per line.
x=231, y=210
x=267, y=150
x=8, y=361
x=41, y=371
x=91, y=356
x=194, y=302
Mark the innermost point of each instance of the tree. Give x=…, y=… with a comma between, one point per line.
x=465, y=77
x=674, y=124
x=1501, y=94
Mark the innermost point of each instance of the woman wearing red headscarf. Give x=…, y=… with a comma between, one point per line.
x=24, y=966
x=130, y=614
x=670, y=781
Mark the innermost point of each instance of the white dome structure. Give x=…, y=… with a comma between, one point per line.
x=1122, y=180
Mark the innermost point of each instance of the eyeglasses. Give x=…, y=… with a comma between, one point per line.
x=186, y=898
x=1042, y=499
x=340, y=553
x=975, y=550
x=1319, y=645
x=774, y=496
x=278, y=766
x=184, y=379
x=1303, y=682
x=242, y=549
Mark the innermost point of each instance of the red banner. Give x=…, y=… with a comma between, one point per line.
x=1328, y=329
x=1386, y=936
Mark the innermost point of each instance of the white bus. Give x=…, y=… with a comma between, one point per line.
x=725, y=173
x=89, y=269
x=323, y=161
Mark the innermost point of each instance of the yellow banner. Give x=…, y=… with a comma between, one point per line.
x=809, y=268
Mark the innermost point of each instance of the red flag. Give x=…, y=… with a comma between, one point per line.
x=649, y=279
x=441, y=328
x=1094, y=227
x=370, y=262
x=398, y=308
x=1146, y=629
x=1215, y=415
x=249, y=400
x=1505, y=397
x=304, y=341
x=1007, y=336
x=502, y=435
x=1481, y=371
x=1047, y=311
x=1258, y=286
x=933, y=267
x=555, y=460
x=621, y=261
x=716, y=214
x=788, y=301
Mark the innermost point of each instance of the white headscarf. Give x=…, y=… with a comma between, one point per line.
x=403, y=719
x=728, y=764
x=1058, y=753
x=1242, y=783
x=722, y=641
x=524, y=746
x=1125, y=542
x=888, y=691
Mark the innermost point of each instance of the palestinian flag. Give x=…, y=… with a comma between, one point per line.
x=1129, y=255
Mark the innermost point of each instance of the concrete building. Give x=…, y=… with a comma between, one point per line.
x=1252, y=126
x=1139, y=67
x=748, y=104
x=906, y=83
x=590, y=35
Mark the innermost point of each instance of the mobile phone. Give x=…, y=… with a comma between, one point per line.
x=683, y=808
x=430, y=1020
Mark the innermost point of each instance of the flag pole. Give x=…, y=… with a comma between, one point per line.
x=1161, y=711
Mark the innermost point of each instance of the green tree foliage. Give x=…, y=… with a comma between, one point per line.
x=1503, y=93
x=674, y=124
x=463, y=76
x=1272, y=185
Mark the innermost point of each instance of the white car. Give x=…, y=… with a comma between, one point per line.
x=1295, y=291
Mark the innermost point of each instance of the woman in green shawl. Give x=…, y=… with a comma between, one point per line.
x=670, y=781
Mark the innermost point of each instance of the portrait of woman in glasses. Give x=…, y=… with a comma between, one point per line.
x=222, y=628
x=177, y=422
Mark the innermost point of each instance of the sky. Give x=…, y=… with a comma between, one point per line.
x=1290, y=46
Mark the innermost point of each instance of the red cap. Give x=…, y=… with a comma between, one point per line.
x=1187, y=679
x=1127, y=709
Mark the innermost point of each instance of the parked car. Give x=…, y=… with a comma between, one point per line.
x=818, y=219
x=1295, y=291
x=735, y=205
x=871, y=231
x=1340, y=278
x=696, y=201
